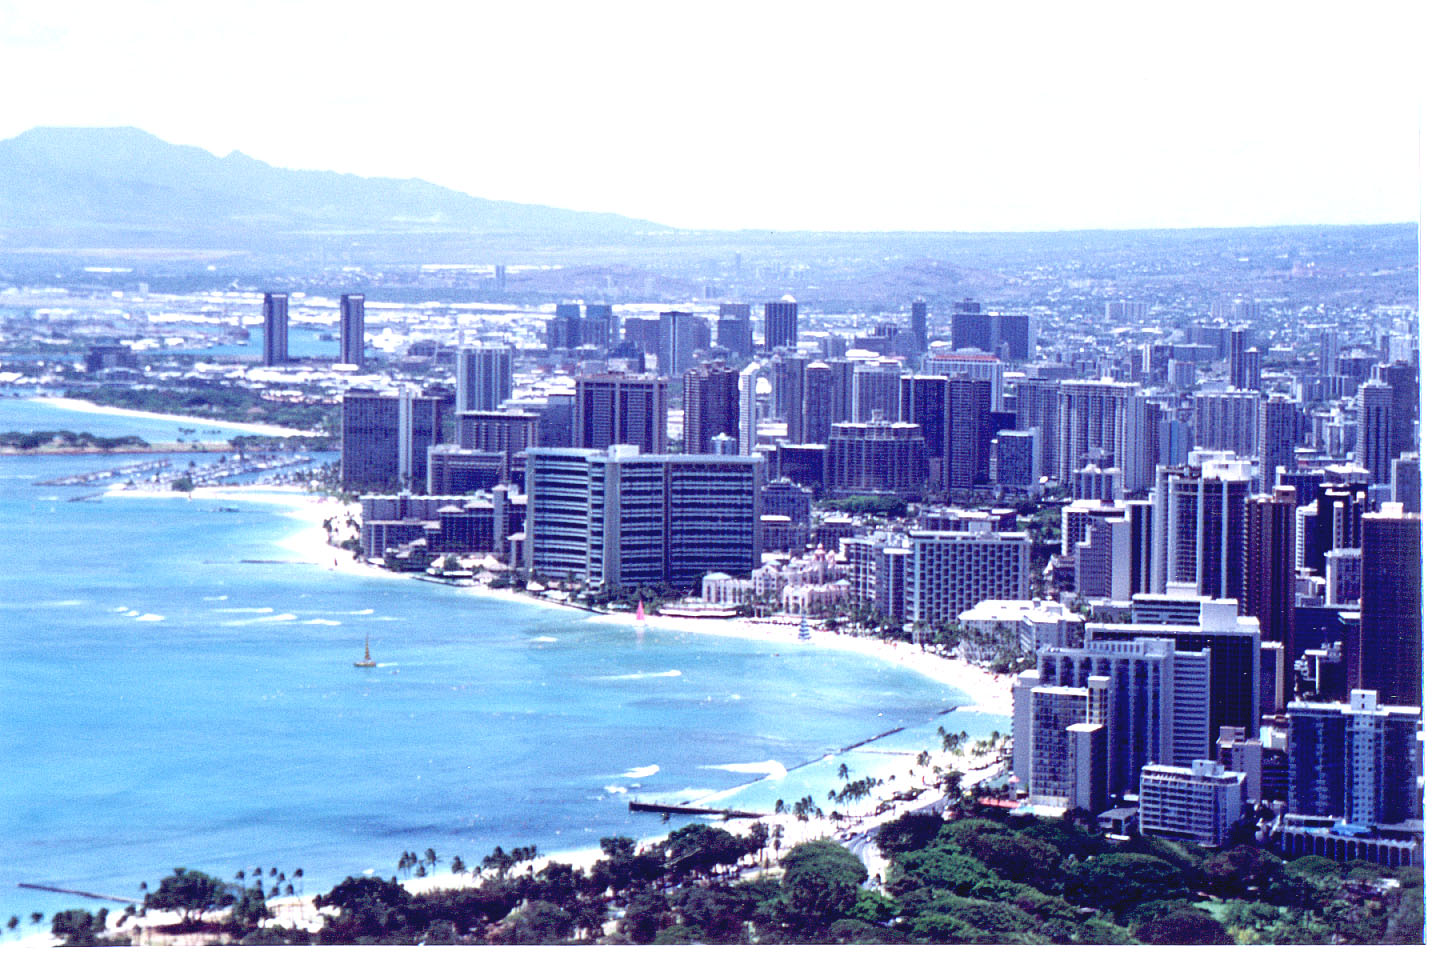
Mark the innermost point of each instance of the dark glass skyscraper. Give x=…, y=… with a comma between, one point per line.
x=352, y=329
x=613, y=409
x=1269, y=589
x=712, y=405
x=782, y=324
x=1390, y=647
x=277, y=329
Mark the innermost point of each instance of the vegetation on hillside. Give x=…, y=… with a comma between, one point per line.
x=979, y=877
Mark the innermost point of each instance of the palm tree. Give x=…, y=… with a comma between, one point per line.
x=457, y=865
x=430, y=858
x=844, y=772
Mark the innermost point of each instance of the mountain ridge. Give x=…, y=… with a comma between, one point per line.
x=107, y=178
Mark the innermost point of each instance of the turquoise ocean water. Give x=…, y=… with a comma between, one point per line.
x=178, y=690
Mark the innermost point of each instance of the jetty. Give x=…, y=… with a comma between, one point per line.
x=637, y=806
x=75, y=893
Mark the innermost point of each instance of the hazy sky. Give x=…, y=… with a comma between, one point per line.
x=878, y=115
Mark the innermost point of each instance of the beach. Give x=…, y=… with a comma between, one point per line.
x=898, y=774
x=85, y=406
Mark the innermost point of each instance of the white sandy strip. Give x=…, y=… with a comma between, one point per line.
x=988, y=692
x=85, y=406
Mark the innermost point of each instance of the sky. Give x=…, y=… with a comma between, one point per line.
x=774, y=115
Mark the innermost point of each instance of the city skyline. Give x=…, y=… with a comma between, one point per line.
x=1038, y=119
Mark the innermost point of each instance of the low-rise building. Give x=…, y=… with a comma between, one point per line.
x=1201, y=803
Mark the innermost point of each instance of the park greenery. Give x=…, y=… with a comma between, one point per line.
x=37, y=439
x=975, y=875
x=202, y=398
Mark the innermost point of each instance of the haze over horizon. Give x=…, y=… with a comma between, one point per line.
x=1041, y=118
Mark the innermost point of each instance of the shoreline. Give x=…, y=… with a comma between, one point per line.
x=76, y=405
x=989, y=693
x=897, y=778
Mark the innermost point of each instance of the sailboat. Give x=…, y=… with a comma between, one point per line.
x=367, y=662
x=804, y=628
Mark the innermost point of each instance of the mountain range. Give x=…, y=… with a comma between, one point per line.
x=79, y=185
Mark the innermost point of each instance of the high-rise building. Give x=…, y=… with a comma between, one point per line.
x=497, y=431
x=818, y=404
x=967, y=434
x=1037, y=406
x=733, y=330
x=383, y=439
x=711, y=394
x=1199, y=537
x=876, y=457
x=787, y=395
x=1112, y=551
x=619, y=409
x=1376, y=441
x=1357, y=761
x=782, y=324
x=1215, y=626
x=920, y=323
x=922, y=402
x=749, y=383
x=482, y=377
x=277, y=329
x=621, y=519
x=562, y=331
x=1016, y=458
x=1391, y=652
x=557, y=512
x=973, y=366
x=1237, y=342
x=1403, y=380
x=951, y=571
x=1405, y=479
x=876, y=391
x=555, y=426
x=352, y=329
x=1282, y=426
x=599, y=326
x=1269, y=588
x=1228, y=421
x=1154, y=707
x=1100, y=416
x=1006, y=335
x=683, y=334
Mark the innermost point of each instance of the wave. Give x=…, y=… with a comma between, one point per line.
x=278, y=618
x=616, y=790
x=642, y=676
x=543, y=640
x=149, y=618
x=119, y=609
x=639, y=773
x=223, y=596
x=773, y=769
x=132, y=613
x=317, y=622
x=359, y=613
x=245, y=610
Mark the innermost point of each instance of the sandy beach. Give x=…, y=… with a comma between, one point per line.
x=85, y=406
x=903, y=777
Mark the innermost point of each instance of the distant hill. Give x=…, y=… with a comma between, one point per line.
x=93, y=185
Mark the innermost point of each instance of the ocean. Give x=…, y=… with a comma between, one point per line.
x=179, y=691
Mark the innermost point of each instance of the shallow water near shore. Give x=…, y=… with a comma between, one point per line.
x=179, y=690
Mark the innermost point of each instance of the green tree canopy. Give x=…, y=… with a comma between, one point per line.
x=1120, y=881
x=191, y=892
